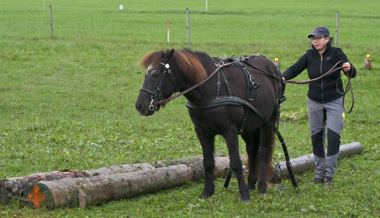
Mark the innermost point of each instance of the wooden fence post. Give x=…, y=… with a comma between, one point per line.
x=337, y=27
x=51, y=20
x=188, y=25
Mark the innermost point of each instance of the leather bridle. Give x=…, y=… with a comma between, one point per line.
x=154, y=94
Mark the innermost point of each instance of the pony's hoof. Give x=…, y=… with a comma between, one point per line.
x=245, y=197
x=246, y=200
x=204, y=195
x=262, y=190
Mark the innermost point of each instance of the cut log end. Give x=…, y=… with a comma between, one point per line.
x=39, y=195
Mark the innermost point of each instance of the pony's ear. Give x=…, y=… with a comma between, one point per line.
x=167, y=55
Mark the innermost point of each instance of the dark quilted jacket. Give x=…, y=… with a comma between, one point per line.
x=322, y=90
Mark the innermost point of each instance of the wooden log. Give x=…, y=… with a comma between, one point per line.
x=12, y=187
x=305, y=163
x=103, y=188
x=187, y=160
x=196, y=162
x=125, y=168
x=99, y=189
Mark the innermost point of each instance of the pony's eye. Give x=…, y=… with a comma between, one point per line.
x=155, y=72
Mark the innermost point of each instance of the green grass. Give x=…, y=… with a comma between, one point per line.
x=68, y=101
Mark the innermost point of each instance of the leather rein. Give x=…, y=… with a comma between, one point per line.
x=164, y=101
x=332, y=70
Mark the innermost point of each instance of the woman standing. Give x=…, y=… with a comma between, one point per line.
x=325, y=103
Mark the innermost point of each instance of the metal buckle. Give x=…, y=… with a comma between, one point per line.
x=242, y=58
x=167, y=66
x=251, y=79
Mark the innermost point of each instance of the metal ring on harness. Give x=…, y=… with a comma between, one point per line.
x=151, y=105
x=242, y=58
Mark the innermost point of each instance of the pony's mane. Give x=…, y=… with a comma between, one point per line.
x=152, y=58
x=187, y=61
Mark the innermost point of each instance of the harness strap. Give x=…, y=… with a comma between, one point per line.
x=258, y=69
x=251, y=86
x=227, y=83
x=162, y=102
x=218, y=85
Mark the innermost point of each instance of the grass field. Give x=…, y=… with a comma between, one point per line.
x=67, y=101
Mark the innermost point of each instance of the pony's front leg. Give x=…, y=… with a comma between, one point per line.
x=235, y=163
x=207, y=142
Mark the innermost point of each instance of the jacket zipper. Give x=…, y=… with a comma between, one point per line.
x=323, y=101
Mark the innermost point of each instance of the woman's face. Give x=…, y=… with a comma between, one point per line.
x=320, y=42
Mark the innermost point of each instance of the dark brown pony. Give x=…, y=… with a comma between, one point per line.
x=175, y=71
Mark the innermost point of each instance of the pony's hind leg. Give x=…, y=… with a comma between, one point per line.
x=252, y=143
x=265, y=157
x=207, y=142
x=235, y=163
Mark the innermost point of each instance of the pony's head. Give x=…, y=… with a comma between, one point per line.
x=167, y=72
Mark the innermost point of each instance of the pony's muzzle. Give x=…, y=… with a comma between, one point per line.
x=143, y=109
x=143, y=112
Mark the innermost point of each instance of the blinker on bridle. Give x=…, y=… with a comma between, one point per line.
x=154, y=94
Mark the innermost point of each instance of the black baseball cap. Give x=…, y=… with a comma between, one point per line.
x=320, y=32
